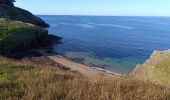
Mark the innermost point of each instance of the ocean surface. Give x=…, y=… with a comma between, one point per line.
x=114, y=43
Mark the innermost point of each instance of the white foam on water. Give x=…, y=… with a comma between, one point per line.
x=85, y=25
x=117, y=26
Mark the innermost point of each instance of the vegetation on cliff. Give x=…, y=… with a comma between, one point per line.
x=16, y=36
x=156, y=69
x=15, y=13
x=7, y=2
x=20, y=30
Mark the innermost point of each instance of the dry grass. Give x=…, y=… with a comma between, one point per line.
x=24, y=81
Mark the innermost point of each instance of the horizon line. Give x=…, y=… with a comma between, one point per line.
x=103, y=15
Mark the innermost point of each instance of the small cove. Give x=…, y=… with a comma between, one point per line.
x=112, y=42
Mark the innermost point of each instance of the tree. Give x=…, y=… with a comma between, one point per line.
x=7, y=2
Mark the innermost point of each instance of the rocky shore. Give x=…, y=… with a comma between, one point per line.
x=67, y=63
x=25, y=49
x=22, y=32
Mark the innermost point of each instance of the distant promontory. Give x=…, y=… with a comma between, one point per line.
x=22, y=31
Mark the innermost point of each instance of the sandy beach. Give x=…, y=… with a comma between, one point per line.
x=74, y=66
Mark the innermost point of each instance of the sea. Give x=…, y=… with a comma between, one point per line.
x=115, y=43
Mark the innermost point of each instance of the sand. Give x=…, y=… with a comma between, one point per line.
x=74, y=66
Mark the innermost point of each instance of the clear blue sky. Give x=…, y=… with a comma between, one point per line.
x=97, y=7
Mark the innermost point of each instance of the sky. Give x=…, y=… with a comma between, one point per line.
x=97, y=7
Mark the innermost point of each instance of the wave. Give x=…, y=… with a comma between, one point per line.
x=86, y=25
x=89, y=24
x=117, y=26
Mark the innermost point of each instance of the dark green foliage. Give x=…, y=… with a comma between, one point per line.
x=19, y=14
x=7, y=2
x=17, y=35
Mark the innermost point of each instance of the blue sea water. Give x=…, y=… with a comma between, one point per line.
x=115, y=43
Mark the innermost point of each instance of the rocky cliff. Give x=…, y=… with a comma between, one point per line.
x=16, y=36
x=155, y=69
x=22, y=31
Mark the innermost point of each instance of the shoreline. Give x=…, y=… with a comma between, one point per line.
x=69, y=63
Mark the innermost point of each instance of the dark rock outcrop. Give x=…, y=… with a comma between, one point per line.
x=39, y=40
x=17, y=37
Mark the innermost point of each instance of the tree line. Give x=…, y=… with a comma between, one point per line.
x=7, y=2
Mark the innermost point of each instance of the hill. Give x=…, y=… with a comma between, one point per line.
x=28, y=81
x=15, y=13
x=39, y=77
x=156, y=69
x=17, y=36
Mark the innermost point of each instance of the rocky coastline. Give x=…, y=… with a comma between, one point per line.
x=25, y=49
x=24, y=32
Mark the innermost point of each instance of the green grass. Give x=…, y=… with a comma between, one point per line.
x=19, y=14
x=13, y=33
x=156, y=69
x=8, y=27
x=23, y=80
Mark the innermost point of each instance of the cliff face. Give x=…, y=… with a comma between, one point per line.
x=17, y=36
x=22, y=31
x=155, y=69
x=15, y=13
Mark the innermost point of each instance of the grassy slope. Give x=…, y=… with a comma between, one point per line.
x=156, y=69
x=13, y=33
x=26, y=81
x=19, y=14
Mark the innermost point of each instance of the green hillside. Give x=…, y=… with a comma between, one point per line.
x=15, y=35
x=15, y=13
x=39, y=78
x=156, y=69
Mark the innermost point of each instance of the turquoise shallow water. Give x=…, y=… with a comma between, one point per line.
x=114, y=43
